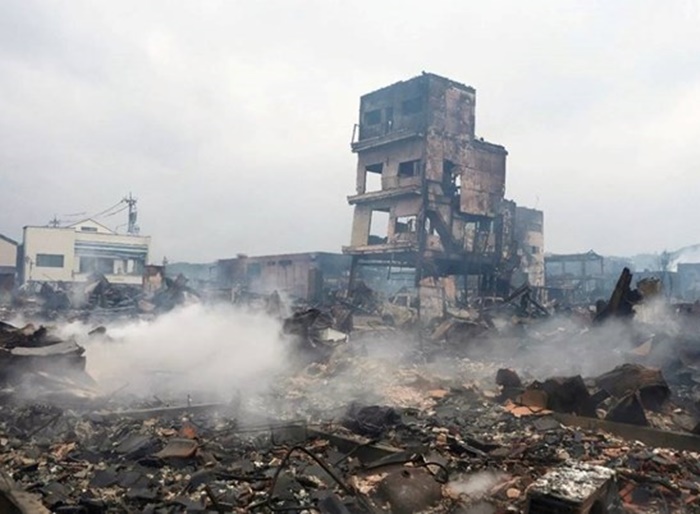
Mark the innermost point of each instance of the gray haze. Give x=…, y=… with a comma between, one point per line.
x=231, y=120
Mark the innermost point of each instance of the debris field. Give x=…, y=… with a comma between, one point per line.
x=511, y=409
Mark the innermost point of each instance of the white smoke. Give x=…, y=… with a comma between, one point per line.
x=201, y=350
x=476, y=485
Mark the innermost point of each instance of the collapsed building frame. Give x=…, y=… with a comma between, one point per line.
x=439, y=189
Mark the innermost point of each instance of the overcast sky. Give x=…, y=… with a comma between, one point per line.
x=231, y=120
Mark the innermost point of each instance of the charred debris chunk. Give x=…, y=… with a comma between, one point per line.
x=35, y=362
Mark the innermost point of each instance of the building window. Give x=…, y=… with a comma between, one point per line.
x=412, y=105
x=375, y=168
x=88, y=229
x=408, y=169
x=255, y=269
x=379, y=227
x=373, y=177
x=405, y=225
x=373, y=117
x=103, y=265
x=389, y=117
x=49, y=260
x=87, y=264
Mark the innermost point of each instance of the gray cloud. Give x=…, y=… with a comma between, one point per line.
x=231, y=121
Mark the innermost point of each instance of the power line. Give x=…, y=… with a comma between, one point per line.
x=107, y=210
x=116, y=212
x=125, y=203
x=74, y=214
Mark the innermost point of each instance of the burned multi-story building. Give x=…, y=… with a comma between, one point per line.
x=430, y=194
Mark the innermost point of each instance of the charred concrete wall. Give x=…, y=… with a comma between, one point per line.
x=483, y=180
x=451, y=108
x=400, y=107
x=419, y=105
x=395, y=164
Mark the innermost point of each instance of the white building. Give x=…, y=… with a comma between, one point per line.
x=8, y=263
x=72, y=254
x=8, y=252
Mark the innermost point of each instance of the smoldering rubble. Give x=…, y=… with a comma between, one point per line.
x=337, y=409
x=98, y=299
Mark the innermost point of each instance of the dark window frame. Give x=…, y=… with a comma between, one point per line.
x=50, y=260
x=414, y=167
x=373, y=117
x=412, y=106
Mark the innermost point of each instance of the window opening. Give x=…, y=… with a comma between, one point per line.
x=373, y=117
x=408, y=169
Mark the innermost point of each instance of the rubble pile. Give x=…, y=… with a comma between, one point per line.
x=501, y=410
x=464, y=452
x=35, y=363
x=471, y=436
x=313, y=333
x=100, y=300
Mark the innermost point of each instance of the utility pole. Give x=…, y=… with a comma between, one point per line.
x=132, y=228
x=55, y=222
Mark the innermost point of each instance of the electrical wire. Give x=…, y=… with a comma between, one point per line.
x=418, y=461
x=445, y=472
x=101, y=213
x=116, y=212
x=349, y=490
x=354, y=450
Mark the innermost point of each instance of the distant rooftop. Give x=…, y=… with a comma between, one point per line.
x=282, y=256
x=590, y=255
x=9, y=240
